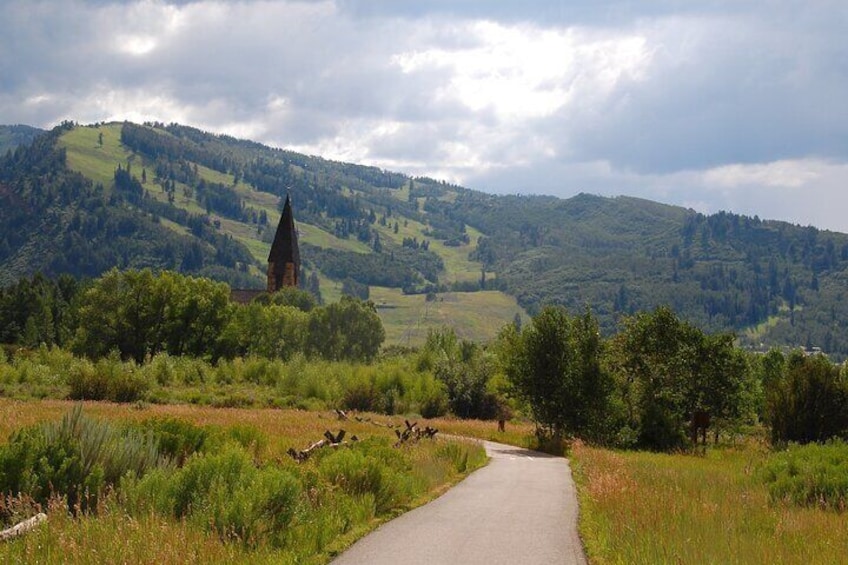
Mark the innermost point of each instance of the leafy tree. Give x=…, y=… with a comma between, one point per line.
x=668, y=369
x=267, y=330
x=466, y=371
x=554, y=366
x=346, y=330
x=39, y=310
x=810, y=403
x=289, y=296
x=770, y=369
x=138, y=314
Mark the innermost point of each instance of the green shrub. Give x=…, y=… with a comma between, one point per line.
x=86, y=382
x=128, y=386
x=249, y=438
x=161, y=369
x=74, y=458
x=108, y=379
x=233, y=400
x=177, y=439
x=223, y=492
x=261, y=371
x=809, y=475
x=369, y=469
x=434, y=404
x=362, y=396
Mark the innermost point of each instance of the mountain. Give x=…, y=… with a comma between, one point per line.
x=81, y=199
x=13, y=136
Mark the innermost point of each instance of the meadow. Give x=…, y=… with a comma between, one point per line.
x=239, y=497
x=739, y=502
x=639, y=507
x=476, y=316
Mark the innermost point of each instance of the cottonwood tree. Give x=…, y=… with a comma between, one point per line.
x=667, y=369
x=266, y=330
x=554, y=366
x=809, y=403
x=138, y=314
x=346, y=330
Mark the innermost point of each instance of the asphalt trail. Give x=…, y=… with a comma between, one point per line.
x=519, y=509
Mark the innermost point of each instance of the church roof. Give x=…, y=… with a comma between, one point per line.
x=284, y=249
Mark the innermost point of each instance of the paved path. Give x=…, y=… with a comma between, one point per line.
x=519, y=509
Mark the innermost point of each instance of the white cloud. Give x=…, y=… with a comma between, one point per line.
x=782, y=174
x=718, y=105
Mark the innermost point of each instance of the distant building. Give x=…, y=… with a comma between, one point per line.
x=283, y=261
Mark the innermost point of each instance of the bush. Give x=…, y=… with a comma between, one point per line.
x=177, y=440
x=223, y=492
x=86, y=382
x=161, y=369
x=128, y=386
x=108, y=379
x=75, y=458
x=810, y=475
x=369, y=468
x=362, y=396
x=434, y=404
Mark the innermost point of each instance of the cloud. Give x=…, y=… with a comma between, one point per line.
x=719, y=104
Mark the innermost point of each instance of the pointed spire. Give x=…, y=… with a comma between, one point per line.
x=284, y=259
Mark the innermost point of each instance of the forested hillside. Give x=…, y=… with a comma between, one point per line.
x=82, y=199
x=13, y=136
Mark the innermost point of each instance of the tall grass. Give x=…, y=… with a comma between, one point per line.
x=653, y=508
x=229, y=494
x=809, y=475
x=392, y=386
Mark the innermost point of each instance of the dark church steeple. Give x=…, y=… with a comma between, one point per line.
x=284, y=259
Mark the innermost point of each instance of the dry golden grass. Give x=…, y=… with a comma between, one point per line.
x=657, y=508
x=518, y=433
x=283, y=428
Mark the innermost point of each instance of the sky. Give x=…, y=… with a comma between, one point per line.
x=714, y=105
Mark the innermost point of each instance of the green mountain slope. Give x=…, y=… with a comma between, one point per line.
x=82, y=199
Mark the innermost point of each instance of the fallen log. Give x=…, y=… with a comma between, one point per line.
x=330, y=440
x=23, y=527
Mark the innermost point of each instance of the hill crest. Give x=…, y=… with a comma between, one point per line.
x=176, y=197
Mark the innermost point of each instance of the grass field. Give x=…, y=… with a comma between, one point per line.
x=97, y=162
x=477, y=316
x=458, y=267
x=651, y=508
x=329, y=515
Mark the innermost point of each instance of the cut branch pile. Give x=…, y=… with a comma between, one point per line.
x=330, y=440
x=413, y=433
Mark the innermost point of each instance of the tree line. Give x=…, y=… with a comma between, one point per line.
x=638, y=388
x=139, y=313
x=643, y=386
